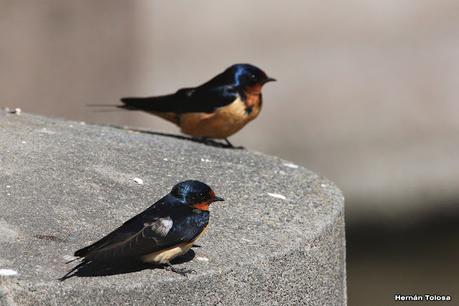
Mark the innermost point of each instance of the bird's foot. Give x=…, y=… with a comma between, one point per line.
x=204, y=140
x=212, y=142
x=181, y=271
x=230, y=145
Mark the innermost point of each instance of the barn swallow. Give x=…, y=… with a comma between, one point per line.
x=216, y=109
x=157, y=235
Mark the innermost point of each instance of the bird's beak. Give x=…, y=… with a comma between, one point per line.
x=217, y=199
x=269, y=80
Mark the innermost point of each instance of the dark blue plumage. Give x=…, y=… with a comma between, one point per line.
x=172, y=223
x=216, y=109
x=217, y=92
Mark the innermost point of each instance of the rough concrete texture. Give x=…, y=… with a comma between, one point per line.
x=64, y=183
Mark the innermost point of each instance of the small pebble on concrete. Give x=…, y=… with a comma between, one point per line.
x=277, y=196
x=7, y=272
x=16, y=110
x=200, y=258
x=138, y=180
x=291, y=165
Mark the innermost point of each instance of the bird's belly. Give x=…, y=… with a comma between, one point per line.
x=165, y=256
x=222, y=123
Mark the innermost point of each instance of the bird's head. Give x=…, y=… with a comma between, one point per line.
x=195, y=194
x=249, y=77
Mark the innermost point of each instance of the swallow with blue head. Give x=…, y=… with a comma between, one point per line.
x=216, y=109
x=162, y=232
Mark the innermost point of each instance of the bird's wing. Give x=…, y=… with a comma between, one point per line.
x=128, y=229
x=187, y=100
x=131, y=240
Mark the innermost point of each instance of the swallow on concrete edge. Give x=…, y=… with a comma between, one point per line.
x=157, y=235
x=216, y=109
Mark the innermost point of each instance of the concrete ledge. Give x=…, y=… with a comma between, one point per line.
x=278, y=239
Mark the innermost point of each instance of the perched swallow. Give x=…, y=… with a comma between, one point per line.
x=160, y=233
x=216, y=109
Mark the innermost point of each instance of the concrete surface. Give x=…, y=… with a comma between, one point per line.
x=278, y=239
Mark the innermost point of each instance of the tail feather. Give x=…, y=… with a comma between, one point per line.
x=133, y=103
x=178, y=102
x=73, y=271
x=102, y=105
x=150, y=104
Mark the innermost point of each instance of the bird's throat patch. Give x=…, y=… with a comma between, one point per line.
x=254, y=90
x=201, y=206
x=252, y=98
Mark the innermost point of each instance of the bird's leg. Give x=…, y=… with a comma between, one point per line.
x=228, y=143
x=182, y=272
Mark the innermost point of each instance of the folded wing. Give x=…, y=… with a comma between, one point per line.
x=204, y=99
x=132, y=239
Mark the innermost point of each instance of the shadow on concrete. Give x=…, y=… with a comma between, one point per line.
x=94, y=269
x=201, y=140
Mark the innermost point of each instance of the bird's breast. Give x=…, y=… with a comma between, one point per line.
x=224, y=121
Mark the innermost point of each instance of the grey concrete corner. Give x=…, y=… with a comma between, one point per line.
x=278, y=239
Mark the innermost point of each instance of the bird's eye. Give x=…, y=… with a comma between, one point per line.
x=253, y=76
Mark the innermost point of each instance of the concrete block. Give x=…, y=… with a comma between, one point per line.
x=278, y=239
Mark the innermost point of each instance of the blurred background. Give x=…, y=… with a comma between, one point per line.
x=367, y=95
